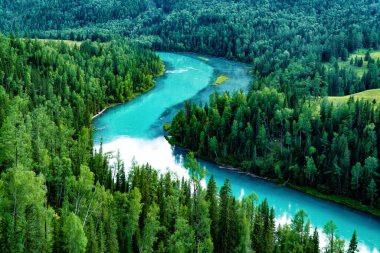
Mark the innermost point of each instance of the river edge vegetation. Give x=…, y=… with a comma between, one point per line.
x=338, y=199
x=297, y=144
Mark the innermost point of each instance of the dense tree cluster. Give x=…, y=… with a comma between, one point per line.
x=48, y=94
x=309, y=143
x=58, y=196
x=53, y=190
x=146, y=212
x=73, y=82
x=39, y=15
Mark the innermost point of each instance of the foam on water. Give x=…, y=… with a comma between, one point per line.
x=157, y=152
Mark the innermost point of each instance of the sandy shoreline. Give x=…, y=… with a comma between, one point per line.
x=105, y=109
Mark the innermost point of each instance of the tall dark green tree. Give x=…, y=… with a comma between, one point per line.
x=353, y=247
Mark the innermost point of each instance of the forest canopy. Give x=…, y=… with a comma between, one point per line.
x=286, y=41
x=310, y=143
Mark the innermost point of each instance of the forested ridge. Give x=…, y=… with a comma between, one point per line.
x=286, y=41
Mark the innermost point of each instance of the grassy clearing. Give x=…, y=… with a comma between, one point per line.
x=368, y=95
x=360, y=53
x=221, y=79
x=358, y=70
x=203, y=58
x=346, y=64
x=69, y=42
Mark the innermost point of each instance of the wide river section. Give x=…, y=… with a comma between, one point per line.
x=135, y=129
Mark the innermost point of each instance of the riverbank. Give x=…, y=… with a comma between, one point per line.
x=121, y=103
x=161, y=73
x=341, y=200
x=220, y=165
x=105, y=109
x=234, y=169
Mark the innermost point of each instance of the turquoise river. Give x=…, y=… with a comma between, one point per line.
x=135, y=129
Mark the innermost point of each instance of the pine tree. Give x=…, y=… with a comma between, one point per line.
x=202, y=224
x=360, y=62
x=310, y=170
x=224, y=243
x=212, y=199
x=372, y=192
x=367, y=56
x=353, y=247
x=25, y=219
x=244, y=237
x=298, y=223
x=315, y=242
x=197, y=173
x=132, y=216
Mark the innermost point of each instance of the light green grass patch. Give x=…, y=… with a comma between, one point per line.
x=368, y=95
x=221, y=79
x=69, y=42
x=203, y=58
x=375, y=55
x=360, y=53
